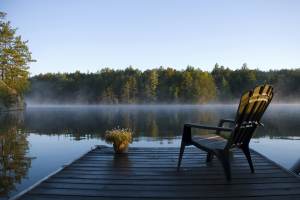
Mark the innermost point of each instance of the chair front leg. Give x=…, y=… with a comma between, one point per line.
x=182, y=147
x=186, y=140
x=223, y=156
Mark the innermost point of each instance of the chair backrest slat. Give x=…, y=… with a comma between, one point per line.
x=252, y=106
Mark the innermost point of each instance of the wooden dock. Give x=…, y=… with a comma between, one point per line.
x=150, y=173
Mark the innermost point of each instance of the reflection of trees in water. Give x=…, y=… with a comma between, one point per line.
x=91, y=123
x=281, y=122
x=82, y=123
x=152, y=125
x=14, y=163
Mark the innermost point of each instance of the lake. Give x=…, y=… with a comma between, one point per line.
x=41, y=139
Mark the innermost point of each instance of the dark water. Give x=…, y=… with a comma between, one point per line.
x=40, y=140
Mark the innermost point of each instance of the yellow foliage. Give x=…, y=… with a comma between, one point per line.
x=118, y=136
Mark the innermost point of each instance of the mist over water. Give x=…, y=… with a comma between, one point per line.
x=52, y=135
x=134, y=116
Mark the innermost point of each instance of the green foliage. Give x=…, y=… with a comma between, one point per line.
x=160, y=85
x=14, y=58
x=124, y=86
x=8, y=96
x=150, y=84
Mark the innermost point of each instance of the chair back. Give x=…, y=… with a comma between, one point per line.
x=252, y=106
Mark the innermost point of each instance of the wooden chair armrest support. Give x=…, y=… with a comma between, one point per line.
x=221, y=123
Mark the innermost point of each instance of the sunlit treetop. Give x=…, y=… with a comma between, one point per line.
x=15, y=57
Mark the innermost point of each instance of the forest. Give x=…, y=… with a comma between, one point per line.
x=160, y=85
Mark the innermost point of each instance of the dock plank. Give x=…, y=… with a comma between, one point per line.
x=150, y=173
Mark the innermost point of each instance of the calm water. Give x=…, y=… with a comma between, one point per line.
x=40, y=140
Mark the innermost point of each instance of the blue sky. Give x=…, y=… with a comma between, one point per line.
x=65, y=36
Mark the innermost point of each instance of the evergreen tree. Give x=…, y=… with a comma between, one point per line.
x=14, y=57
x=150, y=85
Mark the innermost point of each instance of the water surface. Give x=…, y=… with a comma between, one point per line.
x=41, y=139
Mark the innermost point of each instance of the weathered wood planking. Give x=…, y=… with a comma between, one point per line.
x=150, y=173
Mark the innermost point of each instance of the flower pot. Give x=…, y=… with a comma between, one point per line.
x=121, y=148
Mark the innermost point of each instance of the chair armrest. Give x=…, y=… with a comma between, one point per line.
x=187, y=133
x=216, y=128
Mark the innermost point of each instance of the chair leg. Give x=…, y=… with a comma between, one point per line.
x=186, y=140
x=248, y=156
x=182, y=147
x=209, y=157
x=224, y=158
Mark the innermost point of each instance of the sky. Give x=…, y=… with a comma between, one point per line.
x=88, y=35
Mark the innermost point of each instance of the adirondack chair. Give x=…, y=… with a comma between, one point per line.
x=250, y=110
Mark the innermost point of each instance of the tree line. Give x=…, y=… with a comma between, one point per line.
x=160, y=85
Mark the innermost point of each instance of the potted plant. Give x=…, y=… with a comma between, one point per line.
x=120, y=138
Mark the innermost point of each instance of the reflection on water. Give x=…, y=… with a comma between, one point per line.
x=14, y=162
x=150, y=121
x=55, y=135
x=91, y=122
